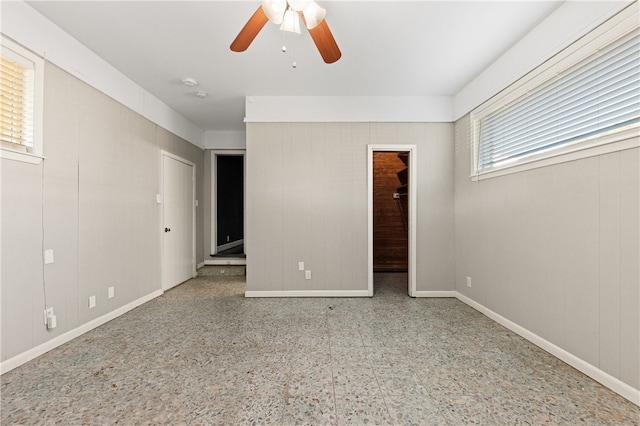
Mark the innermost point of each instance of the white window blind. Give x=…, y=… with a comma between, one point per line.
x=598, y=95
x=16, y=102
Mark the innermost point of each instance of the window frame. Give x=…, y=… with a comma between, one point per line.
x=36, y=156
x=613, y=29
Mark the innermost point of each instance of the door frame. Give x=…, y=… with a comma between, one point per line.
x=412, y=220
x=191, y=164
x=214, y=193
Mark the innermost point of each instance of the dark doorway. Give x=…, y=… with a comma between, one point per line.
x=390, y=211
x=229, y=202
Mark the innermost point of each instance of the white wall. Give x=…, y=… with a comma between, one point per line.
x=26, y=26
x=555, y=250
x=92, y=201
x=225, y=139
x=349, y=109
x=307, y=201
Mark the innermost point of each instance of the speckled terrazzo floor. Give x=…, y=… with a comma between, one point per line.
x=203, y=354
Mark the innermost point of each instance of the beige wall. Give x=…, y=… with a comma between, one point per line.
x=307, y=201
x=93, y=201
x=556, y=250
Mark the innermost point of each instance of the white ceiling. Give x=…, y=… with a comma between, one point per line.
x=389, y=48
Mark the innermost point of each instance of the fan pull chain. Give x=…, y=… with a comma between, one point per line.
x=284, y=49
x=284, y=46
x=294, y=65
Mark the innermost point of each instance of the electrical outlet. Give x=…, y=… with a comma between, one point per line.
x=52, y=322
x=111, y=292
x=92, y=302
x=50, y=319
x=307, y=274
x=48, y=313
x=469, y=282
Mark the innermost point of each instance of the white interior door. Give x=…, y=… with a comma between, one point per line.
x=178, y=208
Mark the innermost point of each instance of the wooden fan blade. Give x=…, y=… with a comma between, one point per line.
x=249, y=31
x=326, y=44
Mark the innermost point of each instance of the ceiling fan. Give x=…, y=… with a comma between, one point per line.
x=286, y=13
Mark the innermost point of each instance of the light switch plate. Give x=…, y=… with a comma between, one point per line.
x=92, y=302
x=48, y=256
x=111, y=292
x=300, y=266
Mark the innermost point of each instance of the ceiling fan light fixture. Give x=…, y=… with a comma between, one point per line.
x=291, y=22
x=274, y=9
x=313, y=14
x=299, y=5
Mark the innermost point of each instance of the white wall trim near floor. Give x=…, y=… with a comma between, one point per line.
x=225, y=261
x=308, y=293
x=35, y=352
x=436, y=293
x=592, y=371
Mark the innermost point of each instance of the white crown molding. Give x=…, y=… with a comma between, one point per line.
x=328, y=109
x=225, y=139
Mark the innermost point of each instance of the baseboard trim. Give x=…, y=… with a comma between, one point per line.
x=307, y=293
x=616, y=385
x=199, y=265
x=226, y=261
x=45, y=347
x=442, y=293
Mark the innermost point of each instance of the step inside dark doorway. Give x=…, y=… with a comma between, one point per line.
x=229, y=201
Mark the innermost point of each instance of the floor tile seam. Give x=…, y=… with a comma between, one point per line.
x=384, y=400
x=333, y=384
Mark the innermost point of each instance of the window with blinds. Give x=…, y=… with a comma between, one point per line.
x=21, y=102
x=597, y=96
x=16, y=103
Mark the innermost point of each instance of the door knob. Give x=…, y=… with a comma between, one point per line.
x=167, y=229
